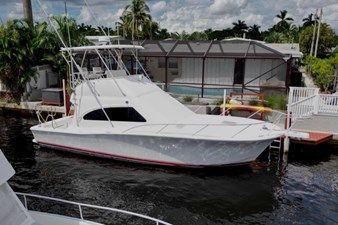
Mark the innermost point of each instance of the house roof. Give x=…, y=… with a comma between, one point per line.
x=287, y=48
x=235, y=47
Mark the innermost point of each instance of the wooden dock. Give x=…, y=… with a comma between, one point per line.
x=32, y=107
x=312, y=112
x=314, y=138
x=320, y=127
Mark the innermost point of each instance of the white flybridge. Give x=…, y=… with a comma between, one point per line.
x=13, y=212
x=127, y=117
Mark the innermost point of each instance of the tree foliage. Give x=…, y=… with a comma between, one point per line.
x=239, y=28
x=309, y=20
x=136, y=20
x=326, y=40
x=322, y=70
x=23, y=46
x=284, y=22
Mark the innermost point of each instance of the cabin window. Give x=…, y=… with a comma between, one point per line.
x=126, y=114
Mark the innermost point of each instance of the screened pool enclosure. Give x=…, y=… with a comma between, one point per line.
x=206, y=68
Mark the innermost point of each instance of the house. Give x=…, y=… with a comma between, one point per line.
x=208, y=67
x=45, y=78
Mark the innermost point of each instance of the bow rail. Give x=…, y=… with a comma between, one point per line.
x=81, y=205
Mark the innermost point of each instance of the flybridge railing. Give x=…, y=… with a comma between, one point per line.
x=81, y=206
x=304, y=102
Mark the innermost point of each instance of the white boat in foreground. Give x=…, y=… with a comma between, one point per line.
x=128, y=117
x=13, y=212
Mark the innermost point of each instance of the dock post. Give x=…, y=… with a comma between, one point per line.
x=286, y=145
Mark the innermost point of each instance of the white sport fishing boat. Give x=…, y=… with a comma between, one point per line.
x=128, y=117
x=13, y=212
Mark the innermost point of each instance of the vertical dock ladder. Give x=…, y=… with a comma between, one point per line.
x=276, y=144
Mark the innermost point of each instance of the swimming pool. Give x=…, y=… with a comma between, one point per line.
x=192, y=90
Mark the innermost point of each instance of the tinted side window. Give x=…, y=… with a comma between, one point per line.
x=116, y=114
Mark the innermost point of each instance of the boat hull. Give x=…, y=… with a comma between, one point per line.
x=167, y=151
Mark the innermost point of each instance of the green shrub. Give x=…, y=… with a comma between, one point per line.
x=187, y=98
x=217, y=101
x=276, y=101
x=254, y=102
x=334, y=59
x=322, y=71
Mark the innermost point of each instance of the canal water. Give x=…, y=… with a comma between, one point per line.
x=303, y=192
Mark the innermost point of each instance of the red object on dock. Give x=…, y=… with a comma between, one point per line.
x=315, y=138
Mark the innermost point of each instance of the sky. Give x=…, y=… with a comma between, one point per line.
x=183, y=15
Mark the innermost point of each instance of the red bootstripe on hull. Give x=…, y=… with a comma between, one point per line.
x=117, y=157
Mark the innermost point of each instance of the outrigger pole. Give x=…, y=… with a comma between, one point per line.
x=91, y=88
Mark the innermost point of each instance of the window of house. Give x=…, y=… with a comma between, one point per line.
x=161, y=62
x=126, y=114
x=173, y=63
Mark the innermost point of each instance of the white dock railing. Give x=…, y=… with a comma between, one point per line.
x=82, y=205
x=328, y=104
x=304, y=102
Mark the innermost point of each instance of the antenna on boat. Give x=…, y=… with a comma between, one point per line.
x=118, y=32
x=68, y=31
x=91, y=88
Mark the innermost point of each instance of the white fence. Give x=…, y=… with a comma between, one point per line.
x=328, y=104
x=304, y=102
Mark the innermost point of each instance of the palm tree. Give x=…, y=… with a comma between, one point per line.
x=123, y=27
x=254, y=33
x=239, y=27
x=276, y=37
x=150, y=30
x=179, y=36
x=68, y=27
x=309, y=20
x=284, y=21
x=135, y=17
x=283, y=18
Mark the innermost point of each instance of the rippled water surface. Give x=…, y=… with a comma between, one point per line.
x=305, y=192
